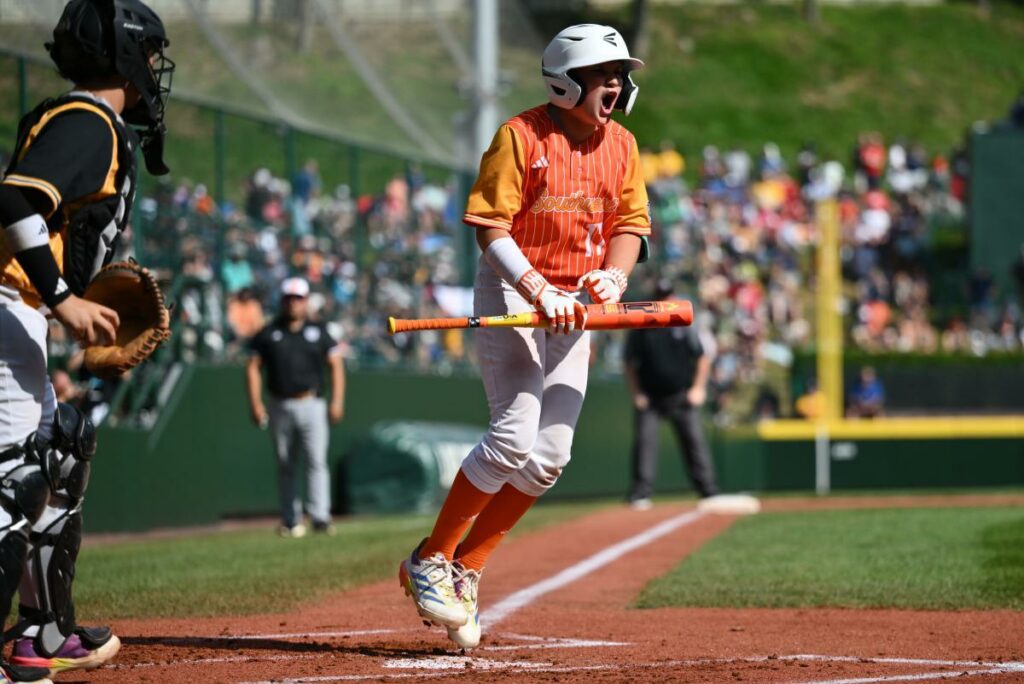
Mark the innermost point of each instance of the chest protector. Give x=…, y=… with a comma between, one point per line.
x=89, y=226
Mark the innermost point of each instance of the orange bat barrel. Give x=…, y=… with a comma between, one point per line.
x=664, y=314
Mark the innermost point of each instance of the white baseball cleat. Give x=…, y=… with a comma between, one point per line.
x=467, y=582
x=429, y=582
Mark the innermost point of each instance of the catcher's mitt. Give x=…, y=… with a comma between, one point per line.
x=131, y=291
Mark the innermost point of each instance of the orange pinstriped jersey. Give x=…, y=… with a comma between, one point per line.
x=561, y=201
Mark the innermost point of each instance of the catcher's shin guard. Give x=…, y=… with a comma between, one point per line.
x=24, y=494
x=46, y=601
x=47, y=608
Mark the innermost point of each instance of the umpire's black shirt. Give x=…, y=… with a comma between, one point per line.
x=294, y=360
x=664, y=359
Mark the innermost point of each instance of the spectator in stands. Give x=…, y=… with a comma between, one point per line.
x=305, y=187
x=236, y=271
x=867, y=396
x=244, y=314
x=811, y=404
x=871, y=158
x=748, y=238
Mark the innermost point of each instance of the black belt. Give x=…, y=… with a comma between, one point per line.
x=299, y=395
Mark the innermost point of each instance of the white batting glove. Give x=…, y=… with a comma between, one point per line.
x=605, y=286
x=563, y=312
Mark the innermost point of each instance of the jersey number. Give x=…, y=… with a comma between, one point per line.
x=595, y=239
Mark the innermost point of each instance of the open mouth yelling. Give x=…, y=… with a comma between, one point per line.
x=608, y=103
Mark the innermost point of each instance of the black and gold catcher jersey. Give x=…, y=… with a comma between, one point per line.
x=74, y=161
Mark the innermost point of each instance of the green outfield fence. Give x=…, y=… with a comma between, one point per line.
x=203, y=460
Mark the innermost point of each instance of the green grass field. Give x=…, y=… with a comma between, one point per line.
x=908, y=558
x=926, y=558
x=253, y=571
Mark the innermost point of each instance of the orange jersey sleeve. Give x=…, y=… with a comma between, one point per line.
x=497, y=195
x=632, y=216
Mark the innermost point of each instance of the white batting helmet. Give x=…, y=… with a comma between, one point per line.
x=585, y=45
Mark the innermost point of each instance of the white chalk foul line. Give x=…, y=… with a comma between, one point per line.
x=1011, y=665
x=979, y=668
x=524, y=597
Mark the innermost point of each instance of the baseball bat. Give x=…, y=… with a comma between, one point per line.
x=663, y=314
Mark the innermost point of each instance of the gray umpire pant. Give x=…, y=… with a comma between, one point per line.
x=685, y=421
x=300, y=428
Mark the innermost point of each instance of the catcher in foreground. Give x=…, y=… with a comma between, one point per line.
x=64, y=201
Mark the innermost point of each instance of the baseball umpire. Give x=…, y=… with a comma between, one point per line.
x=295, y=350
x=667, y=372
x=64, y=200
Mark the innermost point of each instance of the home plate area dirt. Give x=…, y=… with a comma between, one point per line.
x=556, y=609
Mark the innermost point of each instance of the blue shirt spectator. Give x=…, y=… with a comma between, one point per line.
x=867, y=397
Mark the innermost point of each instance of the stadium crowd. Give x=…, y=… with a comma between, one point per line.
x=738, y=238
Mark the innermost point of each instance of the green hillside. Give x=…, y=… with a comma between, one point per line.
x=741, y=75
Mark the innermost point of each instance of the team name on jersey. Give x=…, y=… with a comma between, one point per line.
x=574, y=202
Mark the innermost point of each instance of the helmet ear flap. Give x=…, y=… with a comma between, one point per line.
x=563, y=91
x=582, y=87
x=627, y=97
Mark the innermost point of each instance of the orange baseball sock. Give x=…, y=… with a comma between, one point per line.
x=500, y=516
x=461, y=507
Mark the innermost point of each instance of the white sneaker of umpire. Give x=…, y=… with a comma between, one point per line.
x=467, y=582
x=429, y=582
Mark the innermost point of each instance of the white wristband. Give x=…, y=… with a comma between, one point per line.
x=508, y=260
x=27, y=233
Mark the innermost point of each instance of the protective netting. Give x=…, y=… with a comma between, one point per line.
x=395, y=74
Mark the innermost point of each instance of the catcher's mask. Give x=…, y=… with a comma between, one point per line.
x=98, y=39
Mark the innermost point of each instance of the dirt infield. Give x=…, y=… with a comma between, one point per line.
x=556, y=609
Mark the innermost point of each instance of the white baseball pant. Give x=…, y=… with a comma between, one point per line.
x=27, y=401
x=535, y=383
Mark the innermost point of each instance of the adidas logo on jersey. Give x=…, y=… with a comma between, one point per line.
x=541, y=163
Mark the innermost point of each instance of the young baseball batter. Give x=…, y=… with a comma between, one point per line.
x=560, y=212
x=64, y=200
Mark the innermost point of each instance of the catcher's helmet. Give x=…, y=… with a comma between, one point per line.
x=585, y=45
x=97, y=39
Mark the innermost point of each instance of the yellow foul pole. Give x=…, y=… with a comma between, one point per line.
x=829, y=311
